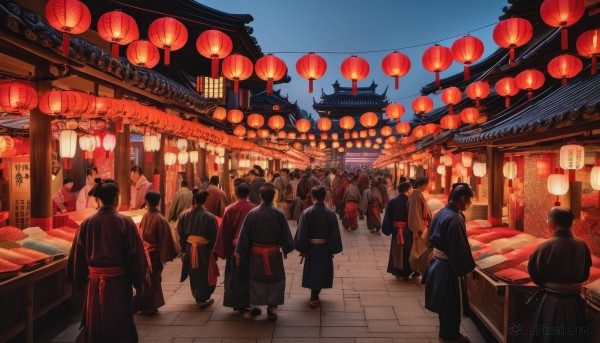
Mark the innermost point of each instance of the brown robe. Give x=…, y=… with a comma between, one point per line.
x=158, y=241
x=138, y=193
x=106, y=240
x=216, y=202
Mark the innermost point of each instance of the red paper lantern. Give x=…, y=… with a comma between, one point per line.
x=347, y=123
x=418, y=132
x=394, y=111
x=237, y=68
x=355, y=69
x=311, y=67
x=530, y=80
x=303, y=125
x=386, y=131
x=17, y=97
x=276, y=122
x=512, y=33
x=239, y=131
x=369, y=120
x=219, y=113
x=270, y=68
x=451, y=96
x=235, y=116
x=169, y=34
x=562, y=13
x=68, y=17
x=450, y=121
x=588, y=45
x=395, y=65
x=142, y=53
x=324, y=124
x=431, y=129
x=67, y=103
x=507, y=87
x=117, y=28
x=255, y=121
x=403, y=128
x=467, y=50
x=436, y=59
x=422, y=105
x=478, y=90
x=564, y=67
x=215, y=45
x=469, y=115
x=543, y=167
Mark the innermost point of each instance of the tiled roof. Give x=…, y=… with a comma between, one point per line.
x=343, y=97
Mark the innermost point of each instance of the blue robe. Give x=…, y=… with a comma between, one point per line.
x=397, y=211
x=318, y=222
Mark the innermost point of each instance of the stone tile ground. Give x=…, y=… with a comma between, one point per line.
x=366, y=305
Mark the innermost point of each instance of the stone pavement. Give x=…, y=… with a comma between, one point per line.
x=365, y=305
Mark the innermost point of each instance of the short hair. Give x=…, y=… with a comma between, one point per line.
x=88, y=172
x=404, y=187
x=285, y=170
x=153, y=198
x=107, y=191
x=562, y=217
x=137, y=169
x=200, y=198
x=67, y=180
x=402, y=179
x=460, y=190
x=195, y=190
x=422, y=181
x=267, y=192
x=260, y=171
x=252, y=172
x=237, y=181
x=242, y=190
x=184, y=183
x=214, y=180
x=319, y=193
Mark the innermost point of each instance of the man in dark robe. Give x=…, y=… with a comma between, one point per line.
x=217, y=200
x=560, y=266
x=384, y=190
x=305, y=184
x=108, y=255
x=256, y=178
x=236, y=276
x=363, y=182
x=395, y=223
x=318, y=239
x=340, y=190
x=265, y=234
x=445, y=287
x=160, y=249
x=198, y=232
x=351, y=199
x=371, y=204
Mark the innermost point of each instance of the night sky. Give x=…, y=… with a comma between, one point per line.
x=358, y=25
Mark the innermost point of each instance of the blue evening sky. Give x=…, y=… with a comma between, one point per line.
x=358, y=25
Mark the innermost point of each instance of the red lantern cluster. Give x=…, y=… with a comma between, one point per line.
x=169, y=34
x=467, y=50
x=403, y=128
x=142, y=53
x=422, y=104
x=311, y=67
x=511, y=34
x=355, y=69
x=436, y=59
x=395, y=65
x=469, y=115
x=450, y=121
x=270, y=68
x=17, y=97
x=68, y=17
x=394, y=111
x=215, y=45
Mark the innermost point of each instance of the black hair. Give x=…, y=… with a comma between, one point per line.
x=88, y=172
x=237, y=181
x=460, y=190
x=402, y=179
x=404, y=187
x=214, y=180
x=105, y=190
x=252, y=172
x=267, y=192
x=195, y=190
x=153, y=198
x=422, y=181
x=137, y=169
x=562, y=217
x=260, y=171
x=242, y=190
x=184, y=183
x=276, y=175
x=319, y=193
x=200, y=198
x=67, y=180
x=285, y=170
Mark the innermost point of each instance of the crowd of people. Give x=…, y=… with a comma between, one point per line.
x=110, y=255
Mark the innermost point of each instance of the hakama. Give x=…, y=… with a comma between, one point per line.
x=395, y=223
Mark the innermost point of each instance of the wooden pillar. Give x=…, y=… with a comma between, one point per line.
x=439, y=182
x=495, y=186
x=448, y=181
x=40, y=135
x=123, y=166
x=162, y=170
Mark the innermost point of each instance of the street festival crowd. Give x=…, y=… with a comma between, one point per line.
x=111, y=256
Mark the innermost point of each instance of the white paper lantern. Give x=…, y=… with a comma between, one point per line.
x=182, y=157
x=68, y=146
x=194, y=157
x=447, y=160
x=182, y=144
x=170, y=159
x=572, y=157
x=412, y=171
x=467, y=159
x=558, y=184
x=87, y=143
x=441, y=169
x=479, y=169
x=147, y=140
x=109, y=143
x=595, y=178
x=510, y=170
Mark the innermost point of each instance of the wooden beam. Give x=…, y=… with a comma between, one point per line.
x=162, y=169
x=495, y=160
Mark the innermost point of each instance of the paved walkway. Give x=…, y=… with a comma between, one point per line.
x=365, y=305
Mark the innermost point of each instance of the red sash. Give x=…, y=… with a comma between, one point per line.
x=103, y=274
x=265, y=251
x=213, y=269
x=148, y=248
x=400, y=226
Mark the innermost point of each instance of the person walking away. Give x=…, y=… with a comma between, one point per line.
x=217, y=199
x=139, y=188
x=256, y=178
x=340, y=190
x=84, y=200
x=384, y=191
x=371, y=205
x=182, y=200
x=318, y=239
x=64, y=200
x=445, y=287
x=198, y=232
x=107, y=255
x=264, y=236
x=159, y=249
x=395, y=223
x=281, y=183
x=560, y=266
x=419, y=217
x=236, y=276
x=291, y=196
x=351, y=199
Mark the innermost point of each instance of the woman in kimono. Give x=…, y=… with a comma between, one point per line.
x=395, y=223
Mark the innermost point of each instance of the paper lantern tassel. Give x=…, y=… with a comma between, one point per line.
x=467, y=72
x=65, y=44
x=215, y=67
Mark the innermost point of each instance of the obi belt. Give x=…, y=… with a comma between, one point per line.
x=399, y=225
x=213, y=269
x=149, y=248
x=265, y=250
x=103, y=274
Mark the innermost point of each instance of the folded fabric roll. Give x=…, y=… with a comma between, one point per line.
x=476, y=231
x=35, y=232
x=497, y=233
x=592, y=292
x=11, y=234
x=490, y=261
x=60, y=243
x=15, y=257
x=35, y=255
x=9, y=245
x=485, y=251
x=480, y=223
x=42, y=246
x=8, y=267
x=512, y=275
x=69, y=237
